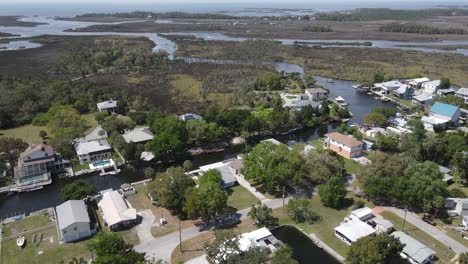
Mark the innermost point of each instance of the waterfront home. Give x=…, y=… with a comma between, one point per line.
x=37, y=164
x=116, y=212
x=228, y=178
x=463, y=93
x=363, y=214
x=73, y=221
x=139, y=135
x=445, y=92
x=190, y=116
x=388, y=87
x=259, y=238
x=375, y=131
x=109, y=106
x=404, y=92
x=352, y=229
x=316, y=94
x=430, y=87
x=345, y=145
x=417, y=83
x=414, y=251
x=89, y=151
x=441, y=114
x=422, y=99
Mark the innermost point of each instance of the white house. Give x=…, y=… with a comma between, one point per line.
x=463, y=93
x=73, y=221
x=138, y=135
x=228, y=178
x=95, y=150
x=363, y=214
x=258, y=238
x=109, y=106
x=352, y=229
x=414, y=251
x=116, y=212
x=316, y=94
x=445, y=92
x=422, y=99
x=416, y=83
x=388, y=87
x=431, y=87
x=346, y=146
x=190, y=116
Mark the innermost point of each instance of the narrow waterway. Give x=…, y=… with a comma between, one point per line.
x=359, y=104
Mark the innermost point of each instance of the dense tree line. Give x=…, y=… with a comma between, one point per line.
x=419, y=29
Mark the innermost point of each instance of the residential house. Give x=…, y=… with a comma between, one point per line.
x=463, y=93
x=139, y=135
x=363, y=214
x=388, y=87
x=445, y=92
x=404, y=92
x=190, y=116
x=90, y=151
x=422, y=99
x=430, y=87
x=414, y=251
x=316, y=94
x=382, y=225
x=116, y=212
x=109, y=106
x=73, y=221
x=441, y=114
x=346, y=146
x=352, y=229
x=258, y=238
x=417, y=83
x=228, y=178
x=37, y=164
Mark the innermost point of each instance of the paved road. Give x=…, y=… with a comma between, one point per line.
x=431, y=230
x=162, y=247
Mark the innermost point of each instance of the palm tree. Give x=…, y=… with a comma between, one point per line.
x=102, y=133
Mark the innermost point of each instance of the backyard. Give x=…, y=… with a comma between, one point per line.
x=240, y=198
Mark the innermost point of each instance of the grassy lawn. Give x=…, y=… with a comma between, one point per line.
x=352, y=166
x=443, y=252
x=30, y=133
x=455, y=234
x=77, y=166
x=317, y=143
x=25, y=224
x=324, y=229
x=241, y=198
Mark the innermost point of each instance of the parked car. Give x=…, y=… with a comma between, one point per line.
x=428, y=219
x=154, y=199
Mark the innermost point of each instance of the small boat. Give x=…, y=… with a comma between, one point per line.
x=357, y=86
x=369, y=93
x=341, y=101
x=214, y=150
x=329, y=80
x=20, y=241
x=376, y=98
x=345, y=120
x=384, y=99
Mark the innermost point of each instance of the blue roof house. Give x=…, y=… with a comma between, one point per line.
x=451, y=113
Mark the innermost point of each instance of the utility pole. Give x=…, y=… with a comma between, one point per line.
x=404, y=221
x=283, y=199
x=180, y=237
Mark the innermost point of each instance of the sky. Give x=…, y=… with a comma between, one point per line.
x=14, y=2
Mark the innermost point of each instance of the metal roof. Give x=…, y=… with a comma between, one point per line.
x=444, y=109
x=115, y=209
x=83, y=148
x=70, y=212
x=413, y=248
x=354, y=229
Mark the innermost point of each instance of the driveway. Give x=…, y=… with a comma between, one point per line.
x=144, y=228
x=431, y=230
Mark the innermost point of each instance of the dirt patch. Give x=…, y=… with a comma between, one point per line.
x=12, y=21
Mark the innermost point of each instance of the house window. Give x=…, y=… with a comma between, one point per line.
x=74, y=228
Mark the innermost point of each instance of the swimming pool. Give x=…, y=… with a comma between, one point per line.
x=102, y=163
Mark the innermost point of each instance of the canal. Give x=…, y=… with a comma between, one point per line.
x=304, y=249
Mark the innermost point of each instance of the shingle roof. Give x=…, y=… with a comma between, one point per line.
x=137, y=135
x=444, y=109
x=413, y=248
x=70, y=212
x=344, y=139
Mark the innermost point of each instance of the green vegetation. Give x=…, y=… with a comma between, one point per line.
x=333, y=192
x=420, y=29
x=372, y=14
x=263, y=216
x=301, y=211
x=111, y=248
x=77, y=190
x=25, y=224
x=380, y=249
x=240, y=198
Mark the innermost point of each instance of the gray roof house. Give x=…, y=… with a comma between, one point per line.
x=93, y=150
x=414, y=251
x=73, y=221
x=138, y=135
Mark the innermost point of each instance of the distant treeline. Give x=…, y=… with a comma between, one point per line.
x=317, y=28
x=420, y=29
x=369, y=14
x=144, y=14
